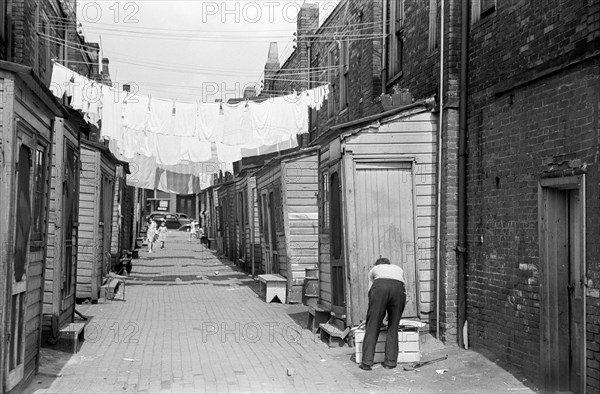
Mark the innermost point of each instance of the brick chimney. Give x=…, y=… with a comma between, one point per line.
x=105, y=74
x=307, y=23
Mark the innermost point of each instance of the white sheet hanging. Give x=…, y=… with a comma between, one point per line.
x=209, y=124
x=60, y=81
x=93, y=95
x=78, y=88
x=136, y=114
x=228, y=153
x=112, y=113
x=186, y=113
x=194, y=150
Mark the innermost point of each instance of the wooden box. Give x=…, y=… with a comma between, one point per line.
x=409, y=346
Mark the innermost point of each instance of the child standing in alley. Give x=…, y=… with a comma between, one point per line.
x=162, y=234
x=192, y=230
x=151, y=234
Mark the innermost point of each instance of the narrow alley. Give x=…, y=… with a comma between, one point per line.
x=193, y=323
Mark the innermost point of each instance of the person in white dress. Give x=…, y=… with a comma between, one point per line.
x=151, y=234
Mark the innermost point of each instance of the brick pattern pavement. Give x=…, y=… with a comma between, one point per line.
x=193, y=323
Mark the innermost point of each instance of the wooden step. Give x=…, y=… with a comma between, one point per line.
x=71, y=338
x=330, y=331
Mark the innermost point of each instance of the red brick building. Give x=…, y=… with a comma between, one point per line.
x=533, y=208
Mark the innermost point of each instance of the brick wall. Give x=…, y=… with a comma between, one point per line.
x=27, y=43
x=534, y=94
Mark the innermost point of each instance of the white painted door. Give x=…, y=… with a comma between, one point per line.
x=385, y=227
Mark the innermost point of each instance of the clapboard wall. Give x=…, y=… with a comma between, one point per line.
x=300, y=215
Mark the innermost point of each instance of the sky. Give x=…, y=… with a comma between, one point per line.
x=191, y=50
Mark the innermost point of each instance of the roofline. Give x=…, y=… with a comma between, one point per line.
x=339, y=128
x=288, y=156
x=36, y=85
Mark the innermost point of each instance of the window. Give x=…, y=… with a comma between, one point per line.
x=260, y=215
x=434, y=22
x=395, y=18
x=332, y=77
x=240, y=210
x=42, y=42
x=245, y=215
x=40, y=188
x=313, y=116
x=344, y=74
x=324, y=201
x=482, y=8
x=278, y=209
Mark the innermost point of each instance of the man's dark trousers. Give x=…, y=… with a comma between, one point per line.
x=386, y=295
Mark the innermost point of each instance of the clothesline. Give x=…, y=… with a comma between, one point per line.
x=169, y=132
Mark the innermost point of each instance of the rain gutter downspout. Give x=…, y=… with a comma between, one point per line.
x=439, y=172
x=461, y=247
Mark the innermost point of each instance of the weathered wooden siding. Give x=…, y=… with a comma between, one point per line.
x=110, y=219
x=300, y=213
x=254, y=243
x=241, y=229
x=116, y=241
x=59, y=303
x=403, y=140
x=89, y=190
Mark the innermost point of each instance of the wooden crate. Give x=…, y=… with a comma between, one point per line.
x=409, y=346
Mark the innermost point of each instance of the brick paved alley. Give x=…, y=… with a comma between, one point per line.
x=193, y=323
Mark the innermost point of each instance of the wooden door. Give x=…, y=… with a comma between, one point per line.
x=562, y=302
x=385, y=227
x=241, y=225
x=70, y=225
x=18, y=301
x=108, y=196
x=336, y=252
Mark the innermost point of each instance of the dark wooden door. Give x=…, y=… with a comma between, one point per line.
x=562, y=302
x=338, y=294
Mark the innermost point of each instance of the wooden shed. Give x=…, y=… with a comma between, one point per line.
x=61, y=268
x=97, y=194
x=28, y=112
x=287, y=198
x=377, y=180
